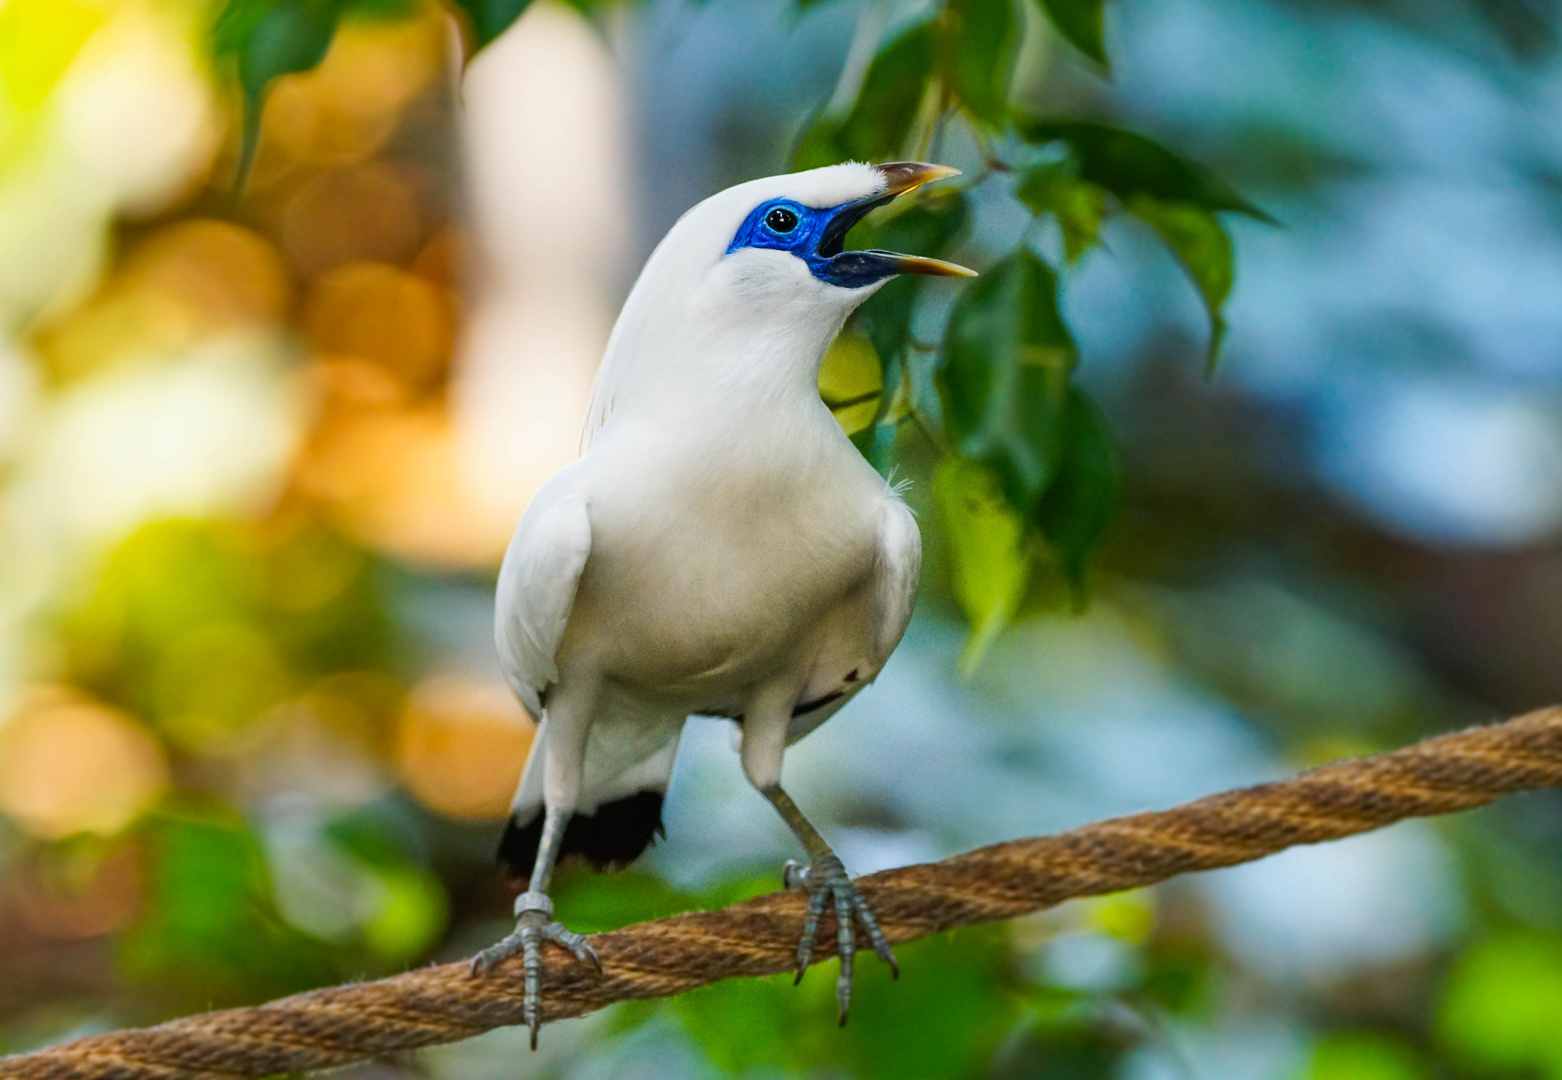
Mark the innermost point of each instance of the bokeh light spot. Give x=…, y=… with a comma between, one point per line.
x=69, y=765
x=376, y=312
x=461, y=746
x=363, y=212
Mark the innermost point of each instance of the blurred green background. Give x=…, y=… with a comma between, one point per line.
x=260, y=453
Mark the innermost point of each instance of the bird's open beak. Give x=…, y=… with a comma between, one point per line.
x=903, y=176
x=900, y=177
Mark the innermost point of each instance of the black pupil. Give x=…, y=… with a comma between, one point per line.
x=781, y=219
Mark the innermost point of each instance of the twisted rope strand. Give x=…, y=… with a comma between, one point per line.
x=340, y=1025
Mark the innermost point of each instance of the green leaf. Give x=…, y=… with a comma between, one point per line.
x=1363, y=1056
x=1079, y=21
x=1129, y=166
x=292, y=36
x=1502, y=1002
x=1004, y=382
x=1083, y=499
x=887, y=104
x=267, y=39
x=983, y=57
x=270, y=39
x=952, y=1006
x=928, y=226
x=987, y=554
x=409, y=912
x=1176, y=197
x=1203, y=247
x=488, y=19
x=1054, y=188
x=210, y=926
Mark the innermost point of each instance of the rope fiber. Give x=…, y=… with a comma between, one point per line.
x=340, y=1025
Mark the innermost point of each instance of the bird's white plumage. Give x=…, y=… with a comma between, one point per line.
x=691, y=247
x=900, y=562
x=720, y=547
x=538, y=580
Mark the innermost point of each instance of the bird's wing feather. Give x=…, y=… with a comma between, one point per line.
x=895, y=575
x=536, y=593
x=894, y=585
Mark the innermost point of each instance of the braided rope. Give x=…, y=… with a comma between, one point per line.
x=340, y=1025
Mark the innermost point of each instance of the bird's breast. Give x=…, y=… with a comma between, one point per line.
x=712, y=575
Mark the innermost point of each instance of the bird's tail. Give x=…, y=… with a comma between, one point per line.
x=613, y=836
x=620, y=812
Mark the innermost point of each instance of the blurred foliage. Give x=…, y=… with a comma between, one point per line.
x=1500, y=1005
x=953, y=1003
x=202, y=627
x=1364, y=1056
x=212, y=930
x=38, y=41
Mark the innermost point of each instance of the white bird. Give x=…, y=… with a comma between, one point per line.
x=719, y=549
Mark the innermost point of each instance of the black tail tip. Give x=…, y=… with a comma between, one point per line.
x=612, y=837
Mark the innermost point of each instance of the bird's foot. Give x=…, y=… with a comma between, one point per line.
x=826, y=882
x=534, y=925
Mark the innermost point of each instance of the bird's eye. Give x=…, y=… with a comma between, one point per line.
x=781, y=220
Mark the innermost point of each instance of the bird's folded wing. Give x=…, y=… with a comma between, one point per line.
x=895, y=575
x=537, y=593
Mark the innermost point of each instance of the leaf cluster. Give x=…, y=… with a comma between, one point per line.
x=1028, y=472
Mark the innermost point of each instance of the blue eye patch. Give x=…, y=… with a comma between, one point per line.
x=816, y=236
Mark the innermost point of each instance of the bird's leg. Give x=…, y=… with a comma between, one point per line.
x=563, y=768
x=534, y=924
x=826, y=882
x=824, y=878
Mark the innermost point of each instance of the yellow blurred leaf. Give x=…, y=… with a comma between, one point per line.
x=1128, y=916
x=346, y=109
x=851, y=380
x=369, y=212
x=396, y=478
x=986, y=550
x=38, y=41
x=410, y=910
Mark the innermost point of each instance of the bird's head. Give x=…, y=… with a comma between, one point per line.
x=751, y=285
x=782, y=241
x=796, y=229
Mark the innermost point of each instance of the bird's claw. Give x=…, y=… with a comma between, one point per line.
x=826, y=882
x=532, y=928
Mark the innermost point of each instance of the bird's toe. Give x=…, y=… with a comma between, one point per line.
x=532, y=930
x=828, y=886
x=577, y=944
x=502, y=950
